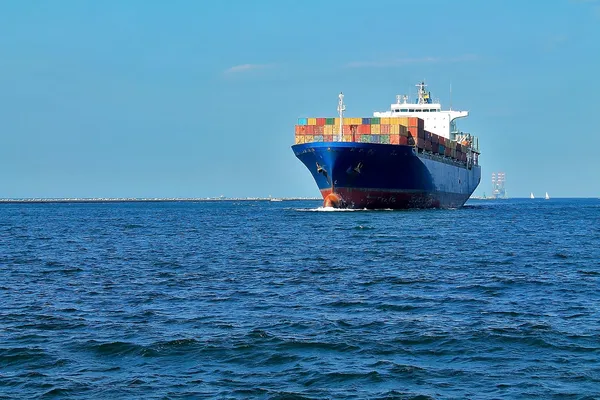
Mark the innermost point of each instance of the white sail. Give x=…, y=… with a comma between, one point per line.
x=547, y=197
x=531, y=196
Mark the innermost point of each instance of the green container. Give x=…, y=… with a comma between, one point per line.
x=329, y=121
x=384, y=139
x=375, y=121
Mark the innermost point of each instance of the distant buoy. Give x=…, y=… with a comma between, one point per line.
x=332, y=200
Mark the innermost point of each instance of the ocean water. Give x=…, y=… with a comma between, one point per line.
x=280, y=300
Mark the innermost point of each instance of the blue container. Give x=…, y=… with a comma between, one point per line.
x=375, y=139
x=366, y=121
x=302, y=121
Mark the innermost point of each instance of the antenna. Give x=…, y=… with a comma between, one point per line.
x=450, y=96
x=341, y=108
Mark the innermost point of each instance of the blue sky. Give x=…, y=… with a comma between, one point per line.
x=197, y=98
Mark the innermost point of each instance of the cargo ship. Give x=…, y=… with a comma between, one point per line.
x=412, y=156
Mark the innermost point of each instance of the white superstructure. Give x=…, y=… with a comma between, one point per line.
x=436, y=121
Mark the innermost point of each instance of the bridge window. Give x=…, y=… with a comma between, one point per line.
x=411, y=110
x=404, y=110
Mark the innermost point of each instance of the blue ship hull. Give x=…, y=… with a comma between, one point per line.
x=370, y=175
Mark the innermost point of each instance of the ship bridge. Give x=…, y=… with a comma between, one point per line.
x=436, y=120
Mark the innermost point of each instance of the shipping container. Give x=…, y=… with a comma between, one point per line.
x=428, y=145
x=300, y=129
x=385, y=121
x=375, y=121
x=394, y=121
x=364, y=129
x=420, y=143
x=366, y=121
x=435, y=147
x=329, y=121
x=312, y=121
x=375, y=139
x=365, y=138
x=328, y=138
x=300, y=139
x=403, y=121
x=375, y=129
x=328, y=130
x=336, y=121
x=384, y=129
x=320, y=130
x=308, y=138
x=347, y=138
x=318, y=138
x=302, y=121
x=416, y=122
x=416, y=132
x=394, y=129
x=435, y=138
x=335, y=129
x=385, y=139
x=394, y=139
x=427, y=135
x=309, y=130
x=404, y=141
x=403, y=131
x=442, y=149
x=321, y=121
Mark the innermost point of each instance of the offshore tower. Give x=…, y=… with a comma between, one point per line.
x=498, y=185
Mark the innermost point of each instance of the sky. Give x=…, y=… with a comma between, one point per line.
x=143, y=98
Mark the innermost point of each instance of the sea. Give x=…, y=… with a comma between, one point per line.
x=286, y=300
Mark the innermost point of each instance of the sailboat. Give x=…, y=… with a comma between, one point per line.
x=531, y=196
x=547, y=197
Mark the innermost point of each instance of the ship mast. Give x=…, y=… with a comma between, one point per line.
x=341, y=108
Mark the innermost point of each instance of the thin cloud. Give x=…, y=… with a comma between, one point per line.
x=398, y=62
x=245, y=68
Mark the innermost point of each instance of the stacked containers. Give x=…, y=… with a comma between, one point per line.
x=392, y=130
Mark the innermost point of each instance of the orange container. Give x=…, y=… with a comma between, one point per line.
x=321, y=121
x=394, y=139
x=364, y=129
x=328, y=138
x=416, y=132
x=310, y=130
x=300, y=129
x=385, y=129
x=319, y=130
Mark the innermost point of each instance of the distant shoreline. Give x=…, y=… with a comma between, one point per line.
x=148, y=200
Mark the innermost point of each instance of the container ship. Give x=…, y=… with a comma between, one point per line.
x=412, y=156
